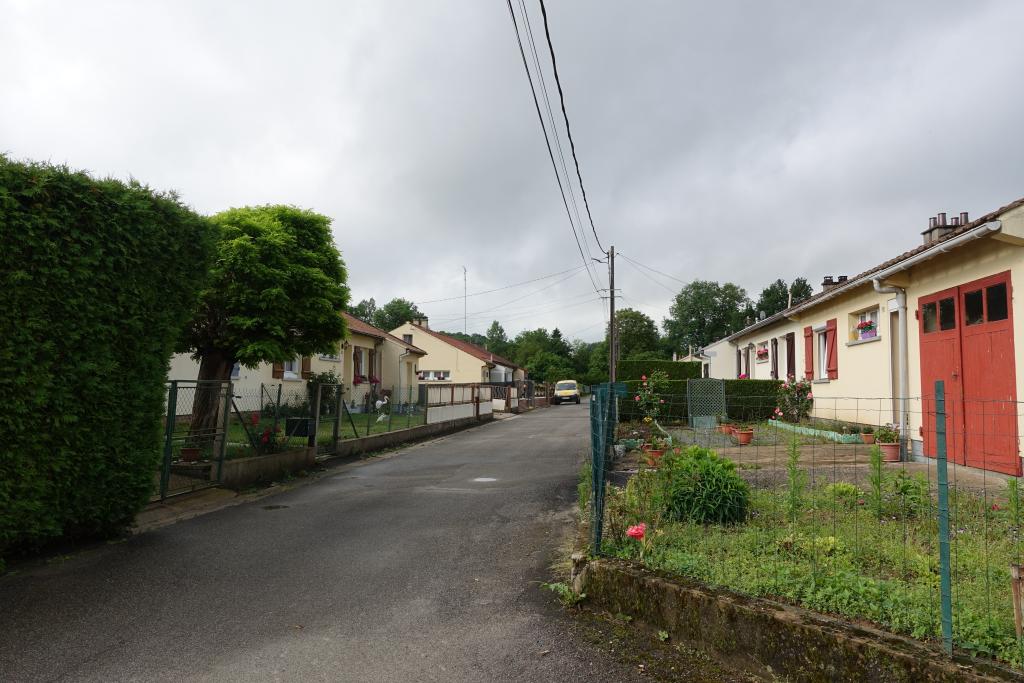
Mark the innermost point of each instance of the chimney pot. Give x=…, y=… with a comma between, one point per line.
x=841, y=279
x=942, y=219
x=955, y=221
x=964, y=219
x=933, y=222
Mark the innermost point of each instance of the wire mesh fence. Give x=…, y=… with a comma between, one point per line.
x=195, y=436
x=906, y=514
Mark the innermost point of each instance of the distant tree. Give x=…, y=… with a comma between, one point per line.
x=637, y=333
x=704, y=312
x=529, y=343
x=547, y=366
x=365, y=310
x=776, y=296
x=474, y=338
x=645, y=355
x=558, y=343
x=276, y=291
x=394, y=313
x=496, y=339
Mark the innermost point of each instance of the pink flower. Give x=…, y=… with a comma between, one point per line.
x=645, y=384
x=810, y=395
x=637, y=397
x=643, y=377
x=995, y=506
x=860, y=501
x=638, y=531
x=661, y=401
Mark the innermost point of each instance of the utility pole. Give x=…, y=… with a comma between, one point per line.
x=465, y=307
x=612, y=332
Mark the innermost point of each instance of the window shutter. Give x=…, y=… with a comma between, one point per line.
x=808, y=353
x=832, y=344
x=739, y=363
x=372, y=363
x=277, y=372
x=307, y=370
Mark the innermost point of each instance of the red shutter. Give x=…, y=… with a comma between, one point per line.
x=307, y=369
x=277, y=372
x=832, y=344
x=808, y=353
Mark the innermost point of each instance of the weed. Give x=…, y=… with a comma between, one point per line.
x=565, y=594
x=876, y=477
x=663, y=636
x=796, y=479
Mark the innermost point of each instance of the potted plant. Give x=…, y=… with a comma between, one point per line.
x=888, y=438
x=744, y=434
x=867, y=329
x=654, y=449
x=867, y=434
x=725, y=427
x=190, y=454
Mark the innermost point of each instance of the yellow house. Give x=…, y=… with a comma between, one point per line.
x=369, y=363
x=874, y=344
x=453, y=360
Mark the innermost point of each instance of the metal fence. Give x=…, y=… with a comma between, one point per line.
x=927, y=545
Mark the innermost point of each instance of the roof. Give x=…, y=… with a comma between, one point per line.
x=364, y=328
x=472, y=349
x=862, y=278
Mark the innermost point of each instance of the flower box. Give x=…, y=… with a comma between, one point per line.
x=869, y=334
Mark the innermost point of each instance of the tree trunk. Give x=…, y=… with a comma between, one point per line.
x=208, y=402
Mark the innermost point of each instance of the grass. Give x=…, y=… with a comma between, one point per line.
x=869, y=556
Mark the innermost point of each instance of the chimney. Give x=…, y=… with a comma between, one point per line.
x=939, y=228
x=841, y=280
x=421, y=321
x=827, y=283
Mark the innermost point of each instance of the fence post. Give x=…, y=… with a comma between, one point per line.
x=597, y=432
x=943, y=483
x=277, y=408
x=172, y=422
x=337, y=418
x=225, y=423
x=311, y=440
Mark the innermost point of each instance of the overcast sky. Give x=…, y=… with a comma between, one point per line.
x=738, y=141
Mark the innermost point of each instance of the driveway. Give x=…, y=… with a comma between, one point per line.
x=419, y=567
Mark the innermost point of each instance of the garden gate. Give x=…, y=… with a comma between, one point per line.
x=705, y=402
x=195, y=435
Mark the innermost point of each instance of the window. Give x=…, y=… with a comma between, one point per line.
x=434, y=375
x=974, y=308
x=236, y=370
x=762, y=352
x=928, y=315
x=947, y=314
x=330, y=356
x=939, y=316
x=292, y=368
x=995, y=298
x=407, y=338
x=864, y=325
x=822, y=369
x=358, y=363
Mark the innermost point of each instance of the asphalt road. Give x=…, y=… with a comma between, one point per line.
x=419, y=567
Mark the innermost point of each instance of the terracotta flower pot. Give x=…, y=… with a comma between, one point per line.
x=725, y=429
x=652, y=456
x=867, y=438
x=744, y=436
x=190, y=454
x=890, y=452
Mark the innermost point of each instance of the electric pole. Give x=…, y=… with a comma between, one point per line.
x=465, y=306
x=612, y=334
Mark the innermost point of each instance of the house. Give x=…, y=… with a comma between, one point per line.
x=453, y=360
x=874, y=344
x=369, y=362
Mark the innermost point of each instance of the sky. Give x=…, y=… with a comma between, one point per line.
x=729, y=141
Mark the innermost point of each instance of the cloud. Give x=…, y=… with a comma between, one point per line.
x=726, y=141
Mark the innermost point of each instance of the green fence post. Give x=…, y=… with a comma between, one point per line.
x=337, y=418
x=312, y=440
x=225, y=423
x=172, y=423
x=943, y=482
x=277, y=409
x=598, y=414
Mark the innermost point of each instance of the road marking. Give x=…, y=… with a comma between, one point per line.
x=485, y=479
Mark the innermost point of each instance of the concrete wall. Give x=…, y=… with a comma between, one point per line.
x=376, y=442
x=458, y=411
x=243, y=472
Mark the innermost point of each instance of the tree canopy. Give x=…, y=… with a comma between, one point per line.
x=637, y=333
x=276, y=291
x=365, y=310
x=776, y=296
x=704, y=312
x=394, y=313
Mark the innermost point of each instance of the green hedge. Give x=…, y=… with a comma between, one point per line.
x=98, y=278
x=747, y=400
x=627, y=370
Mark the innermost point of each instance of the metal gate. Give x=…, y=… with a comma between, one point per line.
x=196, y=436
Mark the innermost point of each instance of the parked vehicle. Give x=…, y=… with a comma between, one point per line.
x=566, y=391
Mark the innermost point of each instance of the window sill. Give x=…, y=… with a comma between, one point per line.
x=762, y=361
x=858, y=342
x=819, y=381
x=291, y=379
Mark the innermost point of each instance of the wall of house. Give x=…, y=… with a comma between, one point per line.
x=398, y=372
x=464, y=368
x=974, y=261
x=722, y=361
x=352, y=392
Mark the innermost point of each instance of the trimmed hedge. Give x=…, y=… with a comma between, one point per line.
x=746, y=400
x=627, y=370
x=99, y=278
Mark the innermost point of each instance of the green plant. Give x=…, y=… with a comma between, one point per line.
x=912, y=492
x=98, y=278
x=887, y=434
x=648, y=396
x=583, y=488
x=565, y=593
x=1013, y=495
x=796, y=478
x=697, y=485
x=628, y=370
x=663, y=636
x=867, y=429
x=842, y=490
x=795, y=400
x=876, y=479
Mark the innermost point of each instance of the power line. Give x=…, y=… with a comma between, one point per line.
x=568, y=130
x=498, y=289
x=655, y=270
x=529, y=294
x=547, y=142
x=657, y=282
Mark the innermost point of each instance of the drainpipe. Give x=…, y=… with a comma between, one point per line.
x=400, y=357
x=904, y=377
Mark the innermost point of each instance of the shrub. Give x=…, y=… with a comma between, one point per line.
x=696, y=485
x=99, y=278
x=630, y=370
x=746, y=400
x=795, y=400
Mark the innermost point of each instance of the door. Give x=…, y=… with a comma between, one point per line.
x=790, y=356
x=989, y=375
x=939, y=328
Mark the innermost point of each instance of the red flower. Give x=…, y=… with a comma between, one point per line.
x=643, y=377
x=995, y=506
x=637, y=531
x=637, y=397
x=265, y=439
